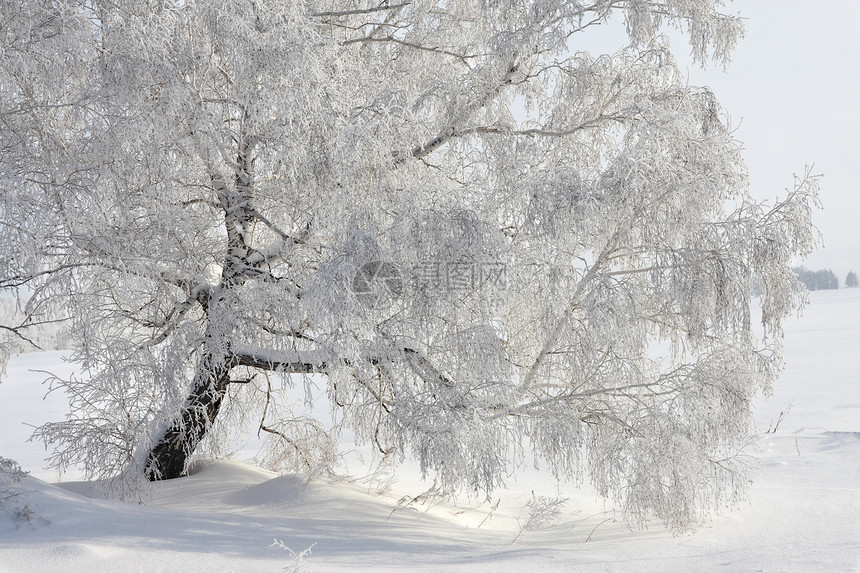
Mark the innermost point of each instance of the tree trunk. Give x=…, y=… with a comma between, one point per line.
x=168, y=459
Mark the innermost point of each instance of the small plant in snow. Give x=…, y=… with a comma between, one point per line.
x=774, y=426
x=544, y=512
x=11, y=493
x=431, y=497
x=298, y=564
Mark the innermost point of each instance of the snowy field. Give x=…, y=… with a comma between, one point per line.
x=801, y=515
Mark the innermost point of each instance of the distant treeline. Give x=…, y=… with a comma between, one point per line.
x=823, y=279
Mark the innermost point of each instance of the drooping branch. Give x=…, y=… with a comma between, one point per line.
x=263, y=427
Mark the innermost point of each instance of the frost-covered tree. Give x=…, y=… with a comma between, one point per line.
x=851, y=279
x=490, y=245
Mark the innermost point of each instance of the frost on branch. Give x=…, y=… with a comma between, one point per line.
x=237, y=203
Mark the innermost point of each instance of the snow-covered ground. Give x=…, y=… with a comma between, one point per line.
x=802, y=512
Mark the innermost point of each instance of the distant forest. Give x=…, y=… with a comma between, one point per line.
x=823, y=279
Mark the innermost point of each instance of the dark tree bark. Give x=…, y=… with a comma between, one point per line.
x=168, y=459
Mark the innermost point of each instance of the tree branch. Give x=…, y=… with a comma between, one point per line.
x=289, y=362
x=556, y=333
x=413, y=45
x=427, y=148
x=426, y=371
x=16, y=331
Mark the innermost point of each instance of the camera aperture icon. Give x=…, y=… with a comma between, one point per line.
x=378, y=284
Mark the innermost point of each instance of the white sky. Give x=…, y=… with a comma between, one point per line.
x=793, y=91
